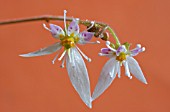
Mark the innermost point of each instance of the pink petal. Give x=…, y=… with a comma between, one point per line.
x=56, y=31
x=73, y=28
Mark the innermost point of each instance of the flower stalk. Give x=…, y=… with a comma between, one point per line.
x=48, y=18
x=114, y=35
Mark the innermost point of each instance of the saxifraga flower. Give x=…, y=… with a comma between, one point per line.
x=75, y=65
x=118, y=56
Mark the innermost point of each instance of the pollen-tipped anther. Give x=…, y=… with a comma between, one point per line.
x=130, y=77
x=138, y=45
x=53, y=61
x=62, y=65
x=89, y=59
x=100, y=54
x=98, y=42
x=143, y=49
x=107, y=42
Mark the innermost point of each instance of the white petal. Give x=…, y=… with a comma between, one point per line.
x=119, y=70
x=107, y=75
x=135, y=69
x=126, y=69
x=79, y=76
x=44, y=51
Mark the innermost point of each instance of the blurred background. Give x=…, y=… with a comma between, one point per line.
x=36, y=85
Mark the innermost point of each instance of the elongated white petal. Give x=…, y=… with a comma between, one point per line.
x=79, y=76
x=135, y=69
x=44, y=51
x=127, y=69
x=107, y=75
x=119, y=70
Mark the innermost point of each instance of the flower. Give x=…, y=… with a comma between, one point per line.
x=118, y=56
x=75, y=65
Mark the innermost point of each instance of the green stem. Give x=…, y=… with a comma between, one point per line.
x=114, y=35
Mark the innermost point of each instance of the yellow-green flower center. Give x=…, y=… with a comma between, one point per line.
x=121, y=57
x=68, y=41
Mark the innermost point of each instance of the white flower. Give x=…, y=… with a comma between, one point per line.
x=74, y=62
x=119, y=56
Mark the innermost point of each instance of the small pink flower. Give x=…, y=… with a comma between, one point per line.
x=119, y=56
x=75, y=65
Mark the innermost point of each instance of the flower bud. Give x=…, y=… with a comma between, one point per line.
x=105, y=36
x=95, y=28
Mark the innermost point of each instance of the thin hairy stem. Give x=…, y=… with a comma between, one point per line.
x=47, y=18
x=114, y=35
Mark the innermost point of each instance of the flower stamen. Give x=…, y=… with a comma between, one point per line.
x=62, y=65
x=97, y=42
x=88, y=59
x=44, y=25
x=65, y=26
x=53, y=61
x=101, y=54
x=108, y=45
x=62, y=55
x=67, y=42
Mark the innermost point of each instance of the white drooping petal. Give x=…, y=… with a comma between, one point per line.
x=44, y=51
x=127, y=69
x=119, y=70
x=107, y=75
x=79, y=76
x=135, y=69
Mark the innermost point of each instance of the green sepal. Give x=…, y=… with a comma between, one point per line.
x=127, y=45
x=117, y=46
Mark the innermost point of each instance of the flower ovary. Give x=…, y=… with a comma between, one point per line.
x=121, y=57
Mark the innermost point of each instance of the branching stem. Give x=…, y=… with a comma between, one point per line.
x=47, y=18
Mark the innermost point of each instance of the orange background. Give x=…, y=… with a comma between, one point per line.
x=36, y=85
